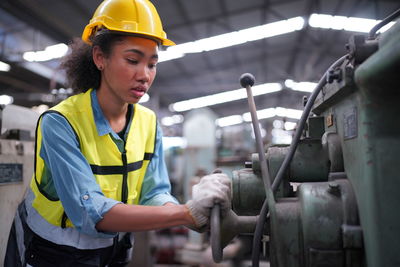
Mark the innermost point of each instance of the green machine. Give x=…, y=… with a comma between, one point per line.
x=343, y=211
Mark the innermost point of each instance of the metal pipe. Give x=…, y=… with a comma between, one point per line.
x=372, y=32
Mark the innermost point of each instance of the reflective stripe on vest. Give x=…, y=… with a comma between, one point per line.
x=120, y=175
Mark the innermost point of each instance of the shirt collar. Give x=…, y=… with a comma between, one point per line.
x=102, y=124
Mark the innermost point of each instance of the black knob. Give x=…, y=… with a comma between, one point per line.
x=248, y=164
x=247, y=79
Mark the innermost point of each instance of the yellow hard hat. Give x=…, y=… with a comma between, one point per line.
x=129, y=16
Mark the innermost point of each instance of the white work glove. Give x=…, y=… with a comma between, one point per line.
x=212, y=189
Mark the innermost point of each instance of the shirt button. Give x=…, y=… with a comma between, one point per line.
x=85, y=197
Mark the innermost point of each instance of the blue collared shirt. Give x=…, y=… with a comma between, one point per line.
x=72, y=177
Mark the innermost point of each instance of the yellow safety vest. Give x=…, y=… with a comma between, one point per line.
x=120, y=175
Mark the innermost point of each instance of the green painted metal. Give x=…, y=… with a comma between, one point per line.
x=285, y=247
x=248, y=192
x=310, y=162
x=315, y=127
x=318, y=228
x=366, y=119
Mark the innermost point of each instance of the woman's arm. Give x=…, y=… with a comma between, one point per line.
x=130, y=218
x=211, y=189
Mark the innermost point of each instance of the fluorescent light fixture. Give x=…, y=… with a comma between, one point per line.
x=168, y=55
x=50, y=52
x=345, y=23
x=288, y=113
x=174, y=119
x=300, y=86
x=224, y=97
x=4, y=66
x=6, y=99
x=230, y=120
x=144, y=98
x=273, y=29
x=233, y=38
x=290, y=126
x=353, y=24
x=261, y=114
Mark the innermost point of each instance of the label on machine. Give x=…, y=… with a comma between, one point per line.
x=350, y=123
x=11, y=173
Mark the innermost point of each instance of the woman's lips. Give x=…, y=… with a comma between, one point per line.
x=138, y=92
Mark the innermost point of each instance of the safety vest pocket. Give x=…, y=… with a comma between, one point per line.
x=132, y=197
x=110, y=192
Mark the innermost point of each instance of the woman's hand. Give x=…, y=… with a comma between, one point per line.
x=212, y=189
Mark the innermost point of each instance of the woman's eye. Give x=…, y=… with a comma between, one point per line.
x=152, y=66
x=132, y=61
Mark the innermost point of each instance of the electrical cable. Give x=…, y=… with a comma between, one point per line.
x=288, y=158
x=372, y=32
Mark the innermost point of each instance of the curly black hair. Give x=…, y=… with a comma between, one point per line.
x=81, y=72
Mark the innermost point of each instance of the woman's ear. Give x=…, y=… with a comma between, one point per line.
x=98, y=57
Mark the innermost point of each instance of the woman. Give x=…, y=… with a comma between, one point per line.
x=99, y=167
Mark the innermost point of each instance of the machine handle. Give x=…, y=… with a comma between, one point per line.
x=215, y=231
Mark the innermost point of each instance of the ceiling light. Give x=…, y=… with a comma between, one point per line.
x=345, y=23
x=4, y=66
x=261, y=114
x=288, y=113
x=169, y=121
x=230, y=120
x=6, y=99
x=168, y=55
x=224, y=97
x=50, y=52
x=290, y=126
x=234, y=38
x=272, y=29
x=300, y=86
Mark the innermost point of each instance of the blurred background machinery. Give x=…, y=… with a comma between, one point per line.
x=17, y=128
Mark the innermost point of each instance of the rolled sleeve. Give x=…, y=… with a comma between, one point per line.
x=95, y=206
x=156, y=186
x=74, y=182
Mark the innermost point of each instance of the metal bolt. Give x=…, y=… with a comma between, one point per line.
x=305, y=99
x=334, y=188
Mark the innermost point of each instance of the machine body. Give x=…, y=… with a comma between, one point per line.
x=336, y=205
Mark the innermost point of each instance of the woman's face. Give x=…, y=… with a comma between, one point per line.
x=128, y=72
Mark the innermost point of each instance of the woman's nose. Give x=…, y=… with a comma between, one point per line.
x=143, y=74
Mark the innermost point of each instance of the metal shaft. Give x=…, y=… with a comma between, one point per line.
x=259, y=144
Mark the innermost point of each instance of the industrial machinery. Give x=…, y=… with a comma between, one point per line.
x=344, y=159
x=17, y=128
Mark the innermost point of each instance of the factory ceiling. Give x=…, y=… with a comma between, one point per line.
x=302, y=54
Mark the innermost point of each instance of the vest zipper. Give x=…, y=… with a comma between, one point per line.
x=124, y=193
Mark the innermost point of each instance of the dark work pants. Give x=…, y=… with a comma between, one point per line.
x=26, y=247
